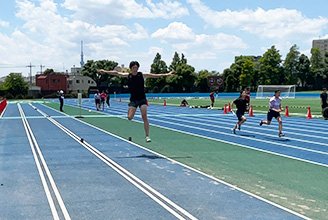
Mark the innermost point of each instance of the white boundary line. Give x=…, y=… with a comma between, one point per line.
x=43, y=180
x=45, y=166
x=249, y=138
x=200, y=172
x=125, y=173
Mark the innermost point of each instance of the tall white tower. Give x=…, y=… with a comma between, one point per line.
x=82, y=62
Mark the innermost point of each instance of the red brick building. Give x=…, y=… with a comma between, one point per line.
x=51, y=83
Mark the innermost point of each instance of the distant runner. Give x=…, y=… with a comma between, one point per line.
x=274, y=111
x=241, y=104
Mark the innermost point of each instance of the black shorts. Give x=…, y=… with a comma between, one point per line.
x=240, y=115
x=102, y=100
x=272, y=114
x=138, y=103
x=97, y=101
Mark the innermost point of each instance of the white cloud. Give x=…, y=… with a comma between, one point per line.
x=181, y=37
x=4, y=23
x=277, y=23
x=116, y=11
x=175, y=32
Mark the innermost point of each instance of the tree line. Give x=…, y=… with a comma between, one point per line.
x=297, y=69
x=246, y=71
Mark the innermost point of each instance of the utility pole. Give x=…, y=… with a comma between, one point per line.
x=30, y=75
x=41, y=68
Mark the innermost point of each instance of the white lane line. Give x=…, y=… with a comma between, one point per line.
x=45, y=166
x=200, y=172
x=43, y=180
x=285, y=127
x=148, y=190
x=215, y=124
x=233, y=135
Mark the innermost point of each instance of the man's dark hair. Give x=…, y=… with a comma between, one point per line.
x=275, y=91
x=324, y=89
x=132, y=63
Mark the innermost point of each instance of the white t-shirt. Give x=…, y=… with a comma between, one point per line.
x=274, y=102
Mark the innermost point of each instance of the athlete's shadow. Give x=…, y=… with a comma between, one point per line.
x=153, y=157
x=245, y=135
x=278, y=139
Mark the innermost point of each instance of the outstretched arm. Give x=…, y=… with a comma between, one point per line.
x=153, y=75
x=112, y=72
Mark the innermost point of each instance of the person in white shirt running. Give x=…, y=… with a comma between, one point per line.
x=274, y=111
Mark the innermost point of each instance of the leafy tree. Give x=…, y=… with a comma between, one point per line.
x=201, y=80
x=184, y=77
x=291, y=64
x=247, y=72
x=158, y=66
x=303, y=69
x=48, y=71
x=317, y=68
x=240, y=74
x=175, y=62
x=229, y=80
x=15, y=85
x=271, y=72
x=90, y=69
x=326, y=69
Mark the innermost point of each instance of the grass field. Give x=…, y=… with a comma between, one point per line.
x=297, y=107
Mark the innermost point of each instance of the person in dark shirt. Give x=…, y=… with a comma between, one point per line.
x=184, y=103
x=212, y=99
x=61, y=100
x=323, y=97
x=241, y=104
x=137, y=92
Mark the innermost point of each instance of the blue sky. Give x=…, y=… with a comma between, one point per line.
x=209, y=33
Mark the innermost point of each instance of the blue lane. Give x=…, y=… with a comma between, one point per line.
x=21, y=191
x=187, y=188
x=212, y=128
x=89, y=188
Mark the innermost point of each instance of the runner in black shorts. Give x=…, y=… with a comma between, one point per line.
x=136, y=88
x=274, y=111
x=241, y=104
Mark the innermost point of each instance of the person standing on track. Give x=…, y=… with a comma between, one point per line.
x=103, y=98
x=61, y=100
x=97, y=100
x=274, y=111
x=107, y=98
x=323, y=97
x=212, y=99
x=241, y=104
x=248, y=98
x=137, y=91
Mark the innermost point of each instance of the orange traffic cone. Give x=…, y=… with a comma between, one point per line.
x=251, y=112
x=229, y=108
x=164, y=102
x=120, y=99
x=287, y=112
x=225, y=109
x=309, y=116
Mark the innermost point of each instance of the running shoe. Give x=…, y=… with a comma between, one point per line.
x=261, y=123
x=239, y=127
x=281, y=135
x=233, y=131
x=148, y=139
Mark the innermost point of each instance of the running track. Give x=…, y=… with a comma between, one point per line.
x=110, y=178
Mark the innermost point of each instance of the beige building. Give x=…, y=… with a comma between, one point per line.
x=322, y=44
x=76, y=82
